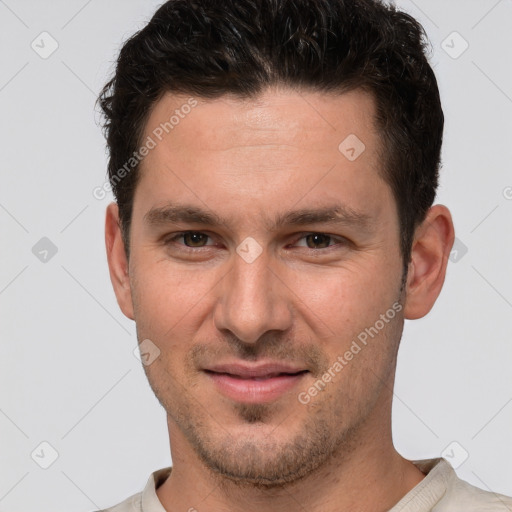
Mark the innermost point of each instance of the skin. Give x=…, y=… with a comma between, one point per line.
x=301, y=301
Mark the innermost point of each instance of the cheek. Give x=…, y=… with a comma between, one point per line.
x=362, y=346
x=167, y=306
x=169, y=300
x=346, y=299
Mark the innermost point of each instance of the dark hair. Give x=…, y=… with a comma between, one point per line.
x=209, y=48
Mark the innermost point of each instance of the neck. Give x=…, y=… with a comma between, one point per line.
x=370, y=477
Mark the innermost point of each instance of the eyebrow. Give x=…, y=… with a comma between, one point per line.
x=332, y=214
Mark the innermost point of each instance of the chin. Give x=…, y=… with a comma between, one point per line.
x=264, y=455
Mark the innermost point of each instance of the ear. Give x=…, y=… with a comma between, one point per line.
x=117, y=261
x=433, y=241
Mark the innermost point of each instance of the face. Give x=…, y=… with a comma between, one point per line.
x=265, y=269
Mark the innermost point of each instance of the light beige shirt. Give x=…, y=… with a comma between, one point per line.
x=440, y=491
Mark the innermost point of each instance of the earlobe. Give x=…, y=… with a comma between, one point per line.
x=118, y=261
x=431, y=248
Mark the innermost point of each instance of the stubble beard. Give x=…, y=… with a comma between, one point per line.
x=327, y=432
x=261, y=461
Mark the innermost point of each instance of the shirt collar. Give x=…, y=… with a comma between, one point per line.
x=439, y=475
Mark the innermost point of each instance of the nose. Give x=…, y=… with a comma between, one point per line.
x=252, y=300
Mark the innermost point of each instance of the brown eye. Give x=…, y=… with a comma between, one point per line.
x=318, y=240
x=320, y=243
x=194, y=239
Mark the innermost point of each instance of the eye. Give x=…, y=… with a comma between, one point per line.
x=321, y=240
x=192, y=239
x=198, y=240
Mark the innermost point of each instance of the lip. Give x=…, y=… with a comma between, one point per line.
x=255, y=383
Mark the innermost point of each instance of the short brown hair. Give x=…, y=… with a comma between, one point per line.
x=209, y=48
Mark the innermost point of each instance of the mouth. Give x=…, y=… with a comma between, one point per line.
x=258, y=378
x=254, y=384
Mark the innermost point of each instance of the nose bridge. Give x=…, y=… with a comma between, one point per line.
x=252, y=300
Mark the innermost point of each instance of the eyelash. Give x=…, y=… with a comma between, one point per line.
x=340, y=240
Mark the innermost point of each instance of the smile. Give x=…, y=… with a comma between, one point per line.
x=261, y=388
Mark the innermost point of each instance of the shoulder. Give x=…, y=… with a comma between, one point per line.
x=457, y=495
x=462, y=496
x=130, y=504
x=146, y=500
x=443, y=491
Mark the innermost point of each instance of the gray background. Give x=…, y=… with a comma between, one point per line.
x=69, y=375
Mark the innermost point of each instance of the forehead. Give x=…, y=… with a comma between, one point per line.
x=277, y=115
x=279, y=149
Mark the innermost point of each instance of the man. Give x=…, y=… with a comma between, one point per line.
x=275, y=164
